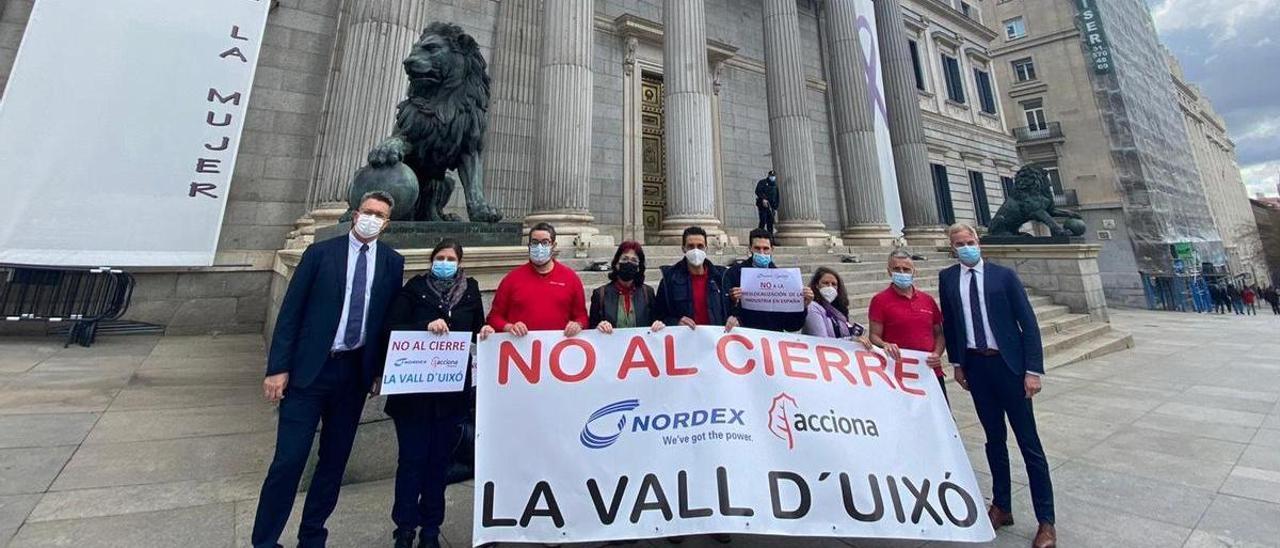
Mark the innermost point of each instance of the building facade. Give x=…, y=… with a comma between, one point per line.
x=1088, y=83
x=1224, y=188
x=616, y=119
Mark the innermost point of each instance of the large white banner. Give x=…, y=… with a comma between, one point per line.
x=119, y=129
x=875, y=95
x=640, y=435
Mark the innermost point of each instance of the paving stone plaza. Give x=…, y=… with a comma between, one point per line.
x=146, y=441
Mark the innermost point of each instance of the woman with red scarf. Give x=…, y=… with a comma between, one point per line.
x=625, y=301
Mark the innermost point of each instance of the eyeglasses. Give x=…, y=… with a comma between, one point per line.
x=546, y=242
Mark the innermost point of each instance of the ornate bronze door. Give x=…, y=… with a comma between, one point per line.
x=654, y=169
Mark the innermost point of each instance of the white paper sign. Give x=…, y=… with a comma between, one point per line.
x=119, y=130
x=772, y=289
x=683, y=432
x=418, y=362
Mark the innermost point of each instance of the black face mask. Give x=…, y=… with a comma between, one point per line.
x=627, y=271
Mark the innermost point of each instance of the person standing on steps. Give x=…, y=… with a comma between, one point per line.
x=325, y=352
x=993, y=342
x=762, y=257
x=767, y=201
x=540, y=295
x=691, y=292
x=626, y=301
x=904, y=317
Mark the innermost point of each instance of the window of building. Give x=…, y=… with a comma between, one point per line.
x=1024, y=70
x=967, y=10
x=1033, y=110
x=942, y=193
x=1015, y=28
x=915, y=63
x=978, y=187
x=955, y=83
x=1007, y=184
x=985, y=95
x=1055, y=180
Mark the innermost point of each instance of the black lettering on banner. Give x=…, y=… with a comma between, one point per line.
x=207, y=165
x=486, y=518
x=202, y=189
x=607, y=515
x=226, y=119
x=650, y=483
x=214, y=95
x=542, y=491
x=226, y=142
x=682, y=492
x=970, y=507
x=851, y=508
x=234, y=52
x=922, y=501
x=722, y=487
x=897, y=499
x=802, y=486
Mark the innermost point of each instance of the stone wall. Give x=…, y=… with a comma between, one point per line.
x=1068, y=273
x=1116, y=263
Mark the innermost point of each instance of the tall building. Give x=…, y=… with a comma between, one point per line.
x=1096, y=106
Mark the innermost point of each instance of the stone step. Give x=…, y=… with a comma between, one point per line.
x=1073, y=336
x=1113, y=341
x=1060, y=323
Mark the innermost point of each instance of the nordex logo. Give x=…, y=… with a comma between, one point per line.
x=599, y=433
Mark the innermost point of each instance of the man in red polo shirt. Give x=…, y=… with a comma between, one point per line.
x=541, y=295
x=905, y=317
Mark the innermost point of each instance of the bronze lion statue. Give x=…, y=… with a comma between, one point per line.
x=1032, y=200
x=440, y=125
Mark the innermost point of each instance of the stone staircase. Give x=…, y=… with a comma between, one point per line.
x=1067, y=337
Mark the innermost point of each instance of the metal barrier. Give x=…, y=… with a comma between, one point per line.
x=81, y=296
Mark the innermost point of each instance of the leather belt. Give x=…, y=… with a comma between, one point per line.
x=344, y=354
x=984, y=352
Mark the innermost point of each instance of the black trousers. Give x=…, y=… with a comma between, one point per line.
x=766, y=216
x=335, y=398
x=999, y=393
x=426, y=451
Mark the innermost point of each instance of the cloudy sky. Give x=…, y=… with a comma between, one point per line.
x=1228, y=49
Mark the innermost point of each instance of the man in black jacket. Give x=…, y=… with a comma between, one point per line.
x=691, y=291
x=767, y=201
x=761, y=257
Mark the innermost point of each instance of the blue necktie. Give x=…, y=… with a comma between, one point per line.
x=355, y=311
x=975, y=312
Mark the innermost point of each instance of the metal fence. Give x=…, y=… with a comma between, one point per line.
x=83, y=297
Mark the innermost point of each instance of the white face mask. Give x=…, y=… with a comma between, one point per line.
x=695, y=256
x=829, y=293
x=368, y=226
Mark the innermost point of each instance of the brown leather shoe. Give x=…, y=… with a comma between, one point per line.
x=999, y=518
x=1046, y=537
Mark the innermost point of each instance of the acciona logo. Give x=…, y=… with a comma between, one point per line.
x=601, y=431
x=786, y=422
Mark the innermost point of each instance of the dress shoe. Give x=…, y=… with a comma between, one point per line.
x=722, y=538
x=999, y=518
x=404, y=538
x=1046, y=537
x=429, y=541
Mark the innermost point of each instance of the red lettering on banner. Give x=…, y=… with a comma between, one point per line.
x=902, y=375
x=768, y=356
x=878, y=367
x=830, y=357
x=507, y=354
x=669, y=345
x=724, y=358
x=644, y=361
x=588, y=366
x=789, y=360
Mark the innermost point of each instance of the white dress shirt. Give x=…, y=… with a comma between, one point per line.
x=965, y=273
x=353, y=255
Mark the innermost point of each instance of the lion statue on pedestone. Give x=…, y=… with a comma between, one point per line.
x=440, y=125
x=1032, y=200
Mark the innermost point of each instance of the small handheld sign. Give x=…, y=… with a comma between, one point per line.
x=420, y=362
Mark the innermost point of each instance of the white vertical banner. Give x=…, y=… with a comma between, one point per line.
x=119, y=130
x=875, y=94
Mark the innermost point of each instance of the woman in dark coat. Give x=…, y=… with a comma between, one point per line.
x=439, y=301
x=625, y=301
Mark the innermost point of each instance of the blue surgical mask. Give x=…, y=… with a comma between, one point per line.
x=444, y=270
x=539, y=253
x=772, y=178
x=760, y=260
x=902, y=279
x=969, y=254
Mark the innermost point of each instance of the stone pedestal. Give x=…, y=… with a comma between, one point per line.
x=1066, y=272
x=405, y=235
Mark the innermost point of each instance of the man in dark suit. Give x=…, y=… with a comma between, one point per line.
x=767, y=201
x=993, y=342
x=322, y=364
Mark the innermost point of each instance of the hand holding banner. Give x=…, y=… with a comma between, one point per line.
x=772, y=289
x=419, y=361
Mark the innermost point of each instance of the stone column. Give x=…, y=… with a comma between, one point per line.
x=562, y=177
x=855, y=130
x=922, y=225
x=367, y=83
x=790, y=135
x=513, y=101
x=691, y=193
